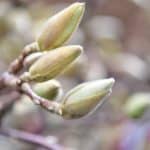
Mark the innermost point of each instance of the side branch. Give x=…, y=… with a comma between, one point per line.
x=16, y=84
x=51, y=106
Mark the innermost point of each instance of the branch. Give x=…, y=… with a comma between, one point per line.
x=17, y=64
x=17, y=87
x=49, y=105
x=13, y=82
x=30, y=138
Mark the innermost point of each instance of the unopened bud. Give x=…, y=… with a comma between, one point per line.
x=29, y=60
x=53, y=63
x=84, y=98
x=60, y=27
x=48, y=89
x=137, y=104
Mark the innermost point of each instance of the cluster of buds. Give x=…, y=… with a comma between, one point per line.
x=49, y=58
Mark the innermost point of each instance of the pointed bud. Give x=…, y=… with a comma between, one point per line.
x=84, y=98
x=53, y=63
x=49, y=89
x=137, y=104
x=60, y=27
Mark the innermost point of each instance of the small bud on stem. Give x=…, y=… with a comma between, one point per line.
x=82, y=99
x=48, y=90
x=53, y=63
x=29, y=60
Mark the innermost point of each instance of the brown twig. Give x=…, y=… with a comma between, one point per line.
x=11, y=81
x=17, y=86
x=30, y=138
x=51, y=106
x=7, y=81
x=17, y=64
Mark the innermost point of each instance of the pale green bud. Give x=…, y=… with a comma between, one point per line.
x=60, y=27
x=48, y=89
x=85, y=97
x=137, y=104
x=53, y=63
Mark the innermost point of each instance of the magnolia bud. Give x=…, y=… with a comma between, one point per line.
x=60, y=27
x=29, y=60
x=137, y=104
x=83, y=98
x=49, y=89
x=53, y=63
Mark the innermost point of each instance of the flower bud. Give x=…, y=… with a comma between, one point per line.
x=60, y=27
x=137, y=104
x=83, y=98
x=53, y=63
x=29, y=60
x=48, y=89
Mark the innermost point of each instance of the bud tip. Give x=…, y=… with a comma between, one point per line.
x=111, y=81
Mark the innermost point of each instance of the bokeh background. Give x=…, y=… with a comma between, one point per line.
x=116, y=39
